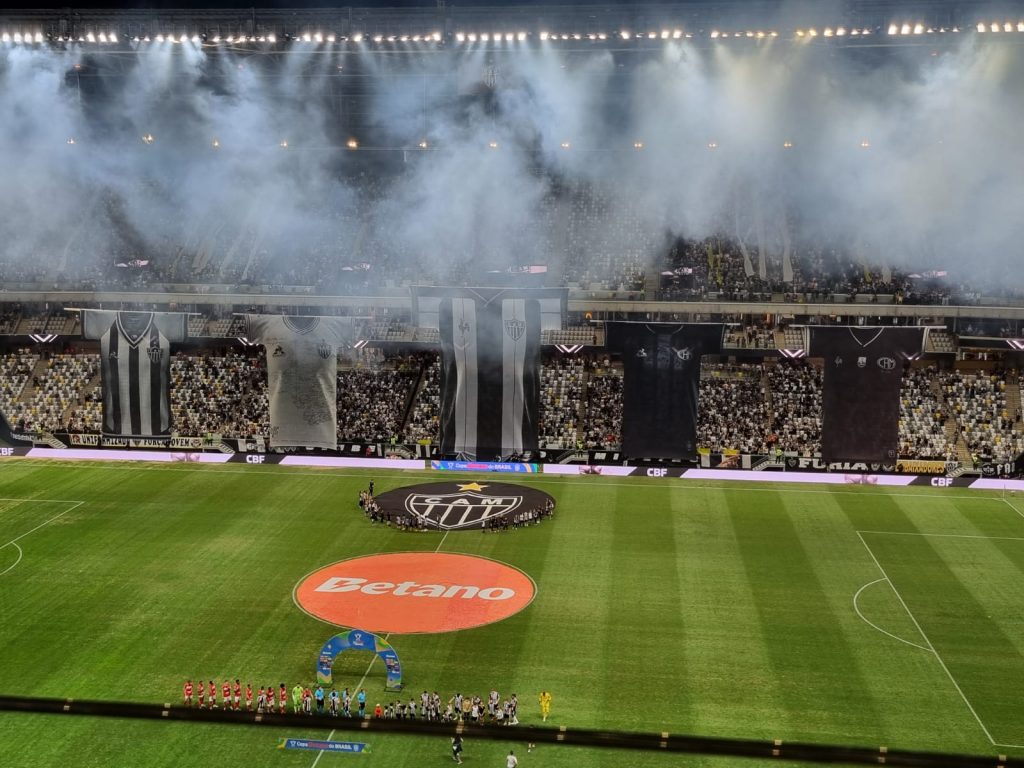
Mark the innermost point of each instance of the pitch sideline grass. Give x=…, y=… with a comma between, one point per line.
x=662, y=606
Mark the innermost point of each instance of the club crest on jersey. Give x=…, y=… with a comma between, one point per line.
x=155, y=353
x=465, y=509
x=683, y=354
x=324, y=349
x=886, y=363
x=515, y=329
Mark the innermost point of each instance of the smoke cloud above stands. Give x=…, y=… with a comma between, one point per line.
x=937, y=187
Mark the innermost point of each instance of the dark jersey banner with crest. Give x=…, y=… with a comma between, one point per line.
x=661, y=384
x=302, y=376
x=490, y=364
x=861, y=397
x=135, y=367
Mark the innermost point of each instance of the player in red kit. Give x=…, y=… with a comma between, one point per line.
x=282, y=697
x=213, y=695
x=201, y=693
x=236, y=702
x=187, y=693
x=226, y=692
x=270, y=699
x=248, y=697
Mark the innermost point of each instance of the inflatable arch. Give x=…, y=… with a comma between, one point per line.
x=360, y=640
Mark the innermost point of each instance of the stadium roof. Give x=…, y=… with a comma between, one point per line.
x=881, y=22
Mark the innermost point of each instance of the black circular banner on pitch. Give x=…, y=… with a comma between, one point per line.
x=463, y=506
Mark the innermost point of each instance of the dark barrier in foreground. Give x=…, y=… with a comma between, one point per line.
x=580, y=737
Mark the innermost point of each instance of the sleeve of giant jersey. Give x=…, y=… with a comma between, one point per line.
x=173, y=325
x=255, y=327
x=712, y=338
x=96, y=322
x=340, y=329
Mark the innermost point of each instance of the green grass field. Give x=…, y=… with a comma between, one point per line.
x=850, y=615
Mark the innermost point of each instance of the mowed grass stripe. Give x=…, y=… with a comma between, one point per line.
x=808, y=648
x=961, y=593
x=645, y=628
x=726, y=671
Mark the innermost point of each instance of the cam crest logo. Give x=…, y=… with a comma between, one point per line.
x=886, y=363
x=324, y=350
x=515, y=329
x=683, y=354
x=155, y=353
x=463, y=509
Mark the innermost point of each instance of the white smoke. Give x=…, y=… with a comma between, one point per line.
x=938, y=184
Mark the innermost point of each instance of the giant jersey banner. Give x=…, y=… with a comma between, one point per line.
x=135, y=367
x=302, y=376
x=861, y=398
x=661, y=383
x=490, y=365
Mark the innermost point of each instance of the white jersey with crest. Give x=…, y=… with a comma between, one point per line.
x=302, y=371
x=135, y=367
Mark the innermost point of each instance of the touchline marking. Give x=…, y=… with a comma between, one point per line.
x=945, y=535
x=931, y=646
x=370, y=665
x=872, y=624
x=14, y=542
x=341, y=473
x=1003, y=499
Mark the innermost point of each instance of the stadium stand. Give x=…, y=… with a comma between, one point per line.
x=372, y=403
x=795, y=406
x=423, y=424
x=978, y=402
x=561, y=393
x=15, y=371
x=56, y=386
x=733, y=408
x=923, y=430
x=603, y=423
x=219, y=394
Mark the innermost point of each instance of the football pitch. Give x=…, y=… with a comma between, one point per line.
x=845, y=615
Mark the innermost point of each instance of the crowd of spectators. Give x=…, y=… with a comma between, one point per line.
x=372, y=402
x=219, y=394
x=922, y=417
x=561, y=393
x=978, y=403
x=749, y=408
x=15, y=371
x=733, y=414
x=423, y=425
x=794, y=388
x=55, y=389
x=603, y=424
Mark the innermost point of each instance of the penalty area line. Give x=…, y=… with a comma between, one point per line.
x=13, y=542
x=928, y=642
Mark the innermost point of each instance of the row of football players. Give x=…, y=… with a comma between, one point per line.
x=269, y=699
x=471, y=709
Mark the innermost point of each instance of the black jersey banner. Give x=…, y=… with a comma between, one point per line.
x=490, y=365
x=661, y=385
x=135, y=367
x=861, y=397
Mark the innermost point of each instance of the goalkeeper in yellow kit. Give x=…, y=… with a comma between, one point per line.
x=545, y=705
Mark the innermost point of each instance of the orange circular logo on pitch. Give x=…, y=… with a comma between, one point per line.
x=411, y=592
